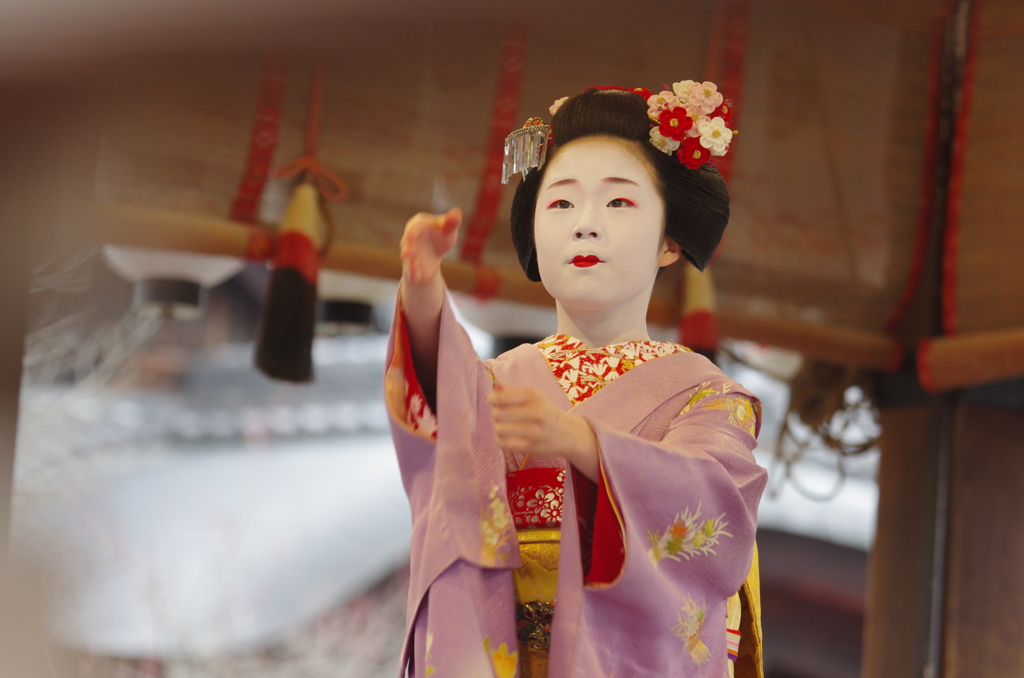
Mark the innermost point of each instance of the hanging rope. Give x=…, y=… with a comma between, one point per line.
x=262, y=139
x=331, y=186
x=503, y=113
x=262, y=144
x=725, y=62
x=831, y=418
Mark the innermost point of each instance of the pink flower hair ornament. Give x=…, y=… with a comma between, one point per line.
x=691, y=120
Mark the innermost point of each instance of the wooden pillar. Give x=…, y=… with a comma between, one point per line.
x=906, y=625
x=983, y=634
x=901, y=562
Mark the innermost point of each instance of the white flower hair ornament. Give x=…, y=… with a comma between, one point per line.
x=691, y=120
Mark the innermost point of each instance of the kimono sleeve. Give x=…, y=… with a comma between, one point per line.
x=454, y=471
x=686, y=503
x=404, y=394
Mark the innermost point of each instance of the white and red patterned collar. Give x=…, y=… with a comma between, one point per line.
x=582, y=371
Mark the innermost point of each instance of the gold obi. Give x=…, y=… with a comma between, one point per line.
x=536, y=585
x=535, y=497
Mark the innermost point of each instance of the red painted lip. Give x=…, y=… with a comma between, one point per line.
x=585, y=262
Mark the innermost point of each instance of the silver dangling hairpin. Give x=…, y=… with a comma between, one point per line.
x=525, y=149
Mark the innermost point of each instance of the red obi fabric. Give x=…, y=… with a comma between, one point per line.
x=536, y=496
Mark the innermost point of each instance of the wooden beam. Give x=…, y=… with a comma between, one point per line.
x=957, y=361
x=147, y=227
x=840, y=345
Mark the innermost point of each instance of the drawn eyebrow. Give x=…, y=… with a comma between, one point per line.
x=610, y=180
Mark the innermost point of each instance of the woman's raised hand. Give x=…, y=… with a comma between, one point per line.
x=427, y=238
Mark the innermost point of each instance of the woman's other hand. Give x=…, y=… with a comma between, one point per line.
x=427, y=238
x=526, y=421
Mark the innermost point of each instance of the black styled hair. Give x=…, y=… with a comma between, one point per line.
x=696, y=200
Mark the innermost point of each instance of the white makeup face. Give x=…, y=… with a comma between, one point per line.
x=599, y=226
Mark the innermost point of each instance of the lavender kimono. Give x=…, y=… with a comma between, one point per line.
x=675, y=442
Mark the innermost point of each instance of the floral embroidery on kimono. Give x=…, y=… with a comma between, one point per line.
x=689, y=627
x=418, y=415
x=687, y=536
x=703, y=391
x=505, y=662
x=429, y=670
x=495, y=528
x=743, y=411
x=583, y=371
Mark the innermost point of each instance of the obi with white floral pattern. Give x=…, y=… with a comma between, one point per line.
x=535, y=497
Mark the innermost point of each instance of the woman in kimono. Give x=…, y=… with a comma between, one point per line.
x=585, y=506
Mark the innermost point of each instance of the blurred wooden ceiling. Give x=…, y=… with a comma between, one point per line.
x=828, y=169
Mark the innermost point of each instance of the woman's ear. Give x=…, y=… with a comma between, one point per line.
x=670, y=252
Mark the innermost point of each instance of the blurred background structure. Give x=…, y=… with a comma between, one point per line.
x=169, y=511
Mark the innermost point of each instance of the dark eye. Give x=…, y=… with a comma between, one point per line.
x=560, y=205
x=621, y=202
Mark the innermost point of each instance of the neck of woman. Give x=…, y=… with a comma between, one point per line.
x=604, y=327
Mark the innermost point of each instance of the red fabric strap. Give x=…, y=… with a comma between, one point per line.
x=924, y=366
x=584, y=493
x=488, y=280
x=924, y=217
x=260, y=245
x=609, y=551
x=296, y=250
x=699, y=330
x=506, y=106
x=956, y=176
x=726, y=62
x=262, y=141
x=330, y=185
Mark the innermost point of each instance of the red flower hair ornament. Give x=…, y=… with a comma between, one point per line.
x=692, y=121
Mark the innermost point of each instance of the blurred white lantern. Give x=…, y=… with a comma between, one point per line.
x=170, y=283
x=347, y=301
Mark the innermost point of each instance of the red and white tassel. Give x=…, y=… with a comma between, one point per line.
x=698, y=327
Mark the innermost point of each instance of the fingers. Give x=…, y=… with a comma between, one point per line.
x=515, y=444
x=449, y=222
x=514, y=429
x=417, y=251
x=518, y=436
x=519, y=413
x=428, y=237
x=416, y=233
x=419, y=222
x=504, y=396
x=525, y=420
